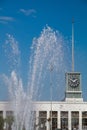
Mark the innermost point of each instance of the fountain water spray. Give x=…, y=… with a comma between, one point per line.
x=48, y=49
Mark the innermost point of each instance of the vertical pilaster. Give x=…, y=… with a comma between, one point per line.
x=69, y=120
x=48, y=123
x=37, y=120
x=4, y=114
x=59, y=120
x=80, y=120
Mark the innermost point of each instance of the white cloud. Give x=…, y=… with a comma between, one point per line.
x=28, y=12
x=5, y=19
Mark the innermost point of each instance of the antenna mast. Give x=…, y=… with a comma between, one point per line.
x=72, y=45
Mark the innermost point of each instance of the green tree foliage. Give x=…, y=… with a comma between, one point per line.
x=1, y=123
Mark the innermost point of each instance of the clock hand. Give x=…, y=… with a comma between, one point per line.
x=75, y=80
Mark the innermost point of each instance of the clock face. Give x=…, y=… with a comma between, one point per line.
x=73, y=80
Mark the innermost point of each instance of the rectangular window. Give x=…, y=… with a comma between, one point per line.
x=84, y=120
x=64, y=120
x=75, y=120
x=42, y=120
x=9, y=120
x=9, y=113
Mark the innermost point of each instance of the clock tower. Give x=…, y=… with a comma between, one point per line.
x=73, y=86
x=73, y=79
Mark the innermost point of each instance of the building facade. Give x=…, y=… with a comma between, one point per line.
x=70, y=114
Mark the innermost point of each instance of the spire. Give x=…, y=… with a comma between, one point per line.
x=72, y=45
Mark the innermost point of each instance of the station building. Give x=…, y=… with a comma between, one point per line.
x=70, y=114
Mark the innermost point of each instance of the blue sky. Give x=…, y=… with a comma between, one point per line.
x=25, y=19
